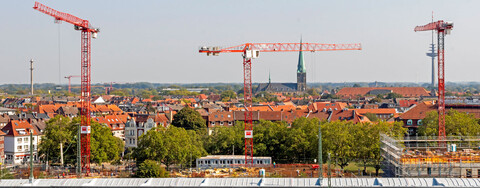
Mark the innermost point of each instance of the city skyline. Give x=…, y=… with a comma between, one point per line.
x=157, y=41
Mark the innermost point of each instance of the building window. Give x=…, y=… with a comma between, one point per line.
x=19, y=140
x=409, y=122
x=419, y=122
x=229, y=123
x=19, y=148
x=221, y=122
x=213, y=122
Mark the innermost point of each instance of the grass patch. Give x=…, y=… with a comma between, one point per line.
x=354, y=166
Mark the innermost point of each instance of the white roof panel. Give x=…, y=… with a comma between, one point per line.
x=246, y=182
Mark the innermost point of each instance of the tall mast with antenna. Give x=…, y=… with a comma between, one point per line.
x=433, y=55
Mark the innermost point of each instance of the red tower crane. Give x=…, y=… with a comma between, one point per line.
x=442, y=28
x=251, y=51
x=87, y=33
x=69, y=82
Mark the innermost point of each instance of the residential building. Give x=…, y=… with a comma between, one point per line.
x=382, y=113
x=68, y=111
x=116, y=123
x=7, y=111
x=17, y=141
x=412, y=119
x=140, y=124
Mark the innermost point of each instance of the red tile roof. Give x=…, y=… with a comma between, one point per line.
x=348, y=115
x=406, y=103
x=162, y=119
x=419, y=111
x=377, y=111
x=404, y=91
x=202, y=97
x=319, y=106
x=19, y=128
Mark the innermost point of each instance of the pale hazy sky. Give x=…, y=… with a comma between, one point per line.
x=157, y=41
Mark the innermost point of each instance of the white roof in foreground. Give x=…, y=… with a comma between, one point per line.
x=245, y=182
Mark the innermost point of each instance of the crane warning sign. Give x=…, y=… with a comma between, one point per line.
x=85, y=130
x=248, y=133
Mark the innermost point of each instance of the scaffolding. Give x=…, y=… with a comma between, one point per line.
x=421, y=156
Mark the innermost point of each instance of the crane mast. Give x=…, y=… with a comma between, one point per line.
x=251, y=51
x=442, y=28
x=69, y=82
x=87, y=32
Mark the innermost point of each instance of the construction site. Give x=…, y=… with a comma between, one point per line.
x=452, y=157
x=440, y=156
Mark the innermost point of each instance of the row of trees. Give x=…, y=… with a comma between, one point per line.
x=61, y=132
x=345, y=141
x=187, y=140
x=456, y=124
x=169, y=146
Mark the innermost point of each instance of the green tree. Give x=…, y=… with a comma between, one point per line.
x=119, y=92
x=183, y=146
x=223, y=140
x=189, y=119
x=456, y=124
x=157, y=97
x=312, y=92
x=338, y=139
x=393, y=96
x=151, y=169
x=104, y=146
x=6, y=174
x=308, y=129
x=57, y=131
x=169, y=146
x=182, y=92
x=151, y=146
x=266, y=97
x=371, y=116
x=145, y=93
x=270, y=140
x=367, y=141
x=228, y=95
x=376, y=100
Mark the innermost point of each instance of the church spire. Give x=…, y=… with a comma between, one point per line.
x=269, y=79
x=301, y=62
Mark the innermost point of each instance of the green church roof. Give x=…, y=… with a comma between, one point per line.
x=301, y=63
